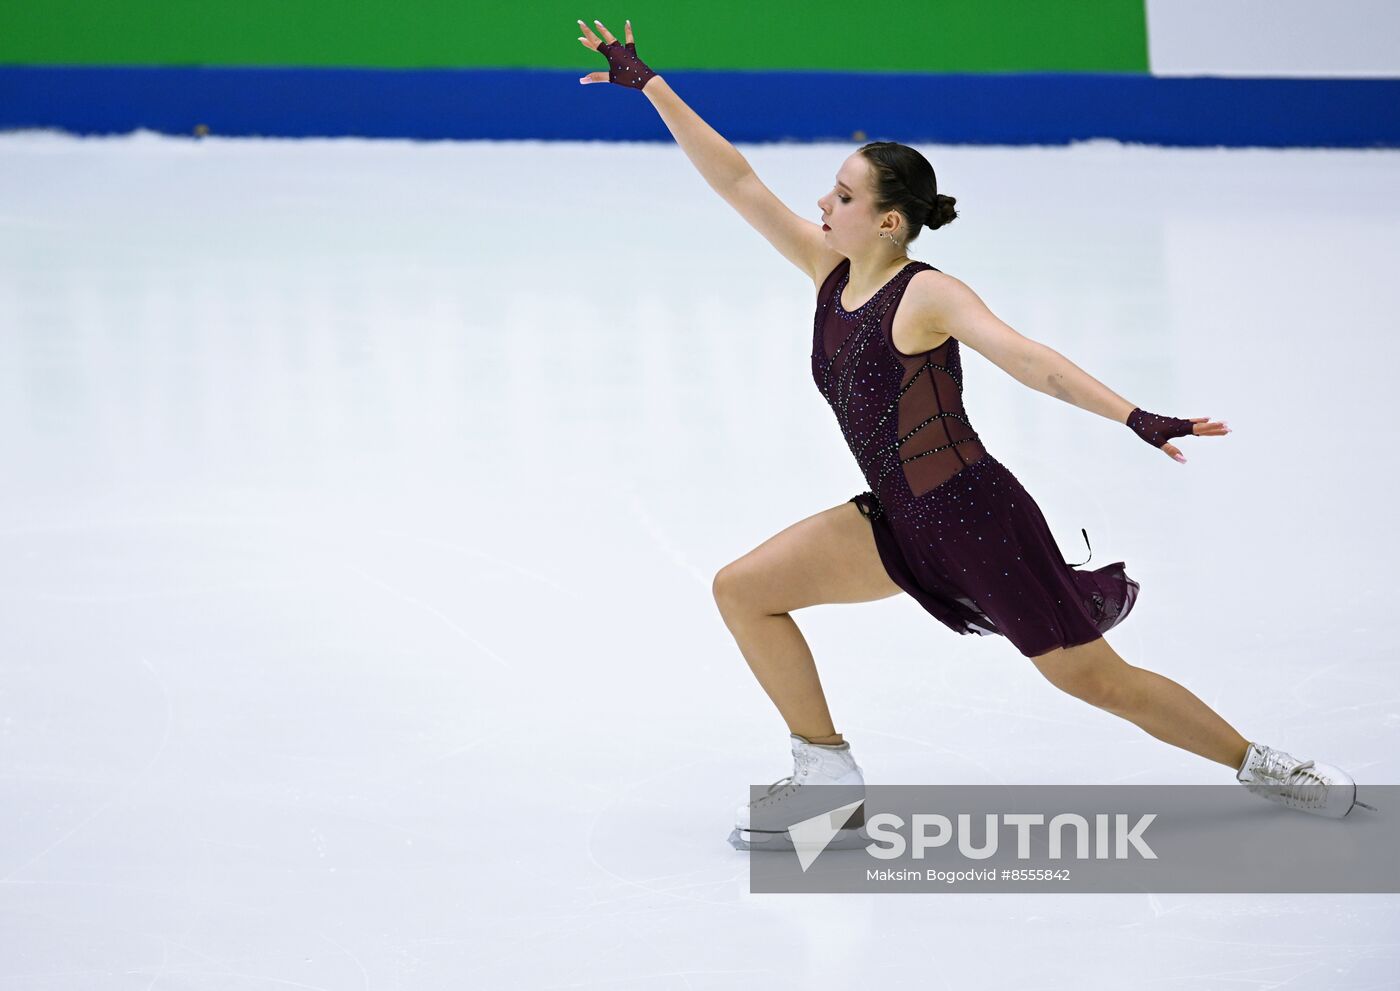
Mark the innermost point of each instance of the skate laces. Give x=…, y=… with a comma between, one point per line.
x=801, y=760
x=1295, y=776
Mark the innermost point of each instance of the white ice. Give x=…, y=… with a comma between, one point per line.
x=361, y=502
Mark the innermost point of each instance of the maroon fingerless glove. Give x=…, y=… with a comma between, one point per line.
x=1157, y=430
x=624, y=68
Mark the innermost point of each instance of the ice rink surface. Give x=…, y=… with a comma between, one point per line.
x=361, y=501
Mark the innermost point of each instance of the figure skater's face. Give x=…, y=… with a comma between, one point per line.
x=844, y=209
x=849, y=209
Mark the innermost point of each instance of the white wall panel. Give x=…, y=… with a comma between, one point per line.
x=1274, y=37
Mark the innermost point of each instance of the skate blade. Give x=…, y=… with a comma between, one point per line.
x=1356, y=802
x=753, y=840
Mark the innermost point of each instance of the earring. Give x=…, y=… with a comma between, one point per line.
x=891, y=237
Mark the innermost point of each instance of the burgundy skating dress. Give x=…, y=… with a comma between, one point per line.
x=953, y=526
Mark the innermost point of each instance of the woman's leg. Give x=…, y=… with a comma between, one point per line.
x=829, y=557
x=1095, y=673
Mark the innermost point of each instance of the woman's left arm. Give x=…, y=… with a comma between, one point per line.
x=1055, y=375
x=953, y=308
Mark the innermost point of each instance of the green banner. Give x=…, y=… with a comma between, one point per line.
x=928, y=36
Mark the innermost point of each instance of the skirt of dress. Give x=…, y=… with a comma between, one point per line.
x=977, y=554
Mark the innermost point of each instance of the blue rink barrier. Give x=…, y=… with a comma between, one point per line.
x=549, y=104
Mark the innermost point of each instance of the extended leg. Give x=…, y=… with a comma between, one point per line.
x=1095, y=673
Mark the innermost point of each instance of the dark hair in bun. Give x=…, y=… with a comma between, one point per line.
x=942, y=212
x=903, y=180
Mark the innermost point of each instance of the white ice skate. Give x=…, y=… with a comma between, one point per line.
x=1308, y=786
x=791, y=800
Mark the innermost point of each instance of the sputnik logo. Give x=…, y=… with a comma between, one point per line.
x=812, y=836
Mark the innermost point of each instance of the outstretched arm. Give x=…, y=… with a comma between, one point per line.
x=720, y=164
x=954, y=309
x=1055, y=375
x=718, y=161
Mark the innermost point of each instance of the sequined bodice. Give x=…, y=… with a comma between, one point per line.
x=902, y=415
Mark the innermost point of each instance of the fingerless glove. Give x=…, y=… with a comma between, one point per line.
x=624, y=68
x=1157, y=430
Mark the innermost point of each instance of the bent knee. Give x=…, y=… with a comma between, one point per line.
x=739, y=586
x=729, y=586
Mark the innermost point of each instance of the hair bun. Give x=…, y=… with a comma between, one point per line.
x=941, y=212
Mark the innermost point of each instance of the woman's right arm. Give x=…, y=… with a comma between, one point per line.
x=728, y=173
x=720, y=164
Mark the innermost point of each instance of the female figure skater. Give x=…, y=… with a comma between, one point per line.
x=943, y=519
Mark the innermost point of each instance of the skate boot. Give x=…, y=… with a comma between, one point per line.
x=1305, y=785
x=791, y=800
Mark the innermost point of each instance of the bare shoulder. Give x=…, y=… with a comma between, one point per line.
x=930, y=289
x=937, y=299
x=923, y=312
x=944, y=306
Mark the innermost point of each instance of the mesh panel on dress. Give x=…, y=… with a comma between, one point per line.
x=935, y=439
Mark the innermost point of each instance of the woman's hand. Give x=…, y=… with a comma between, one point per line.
x=624, y=67
x=1157, y=430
